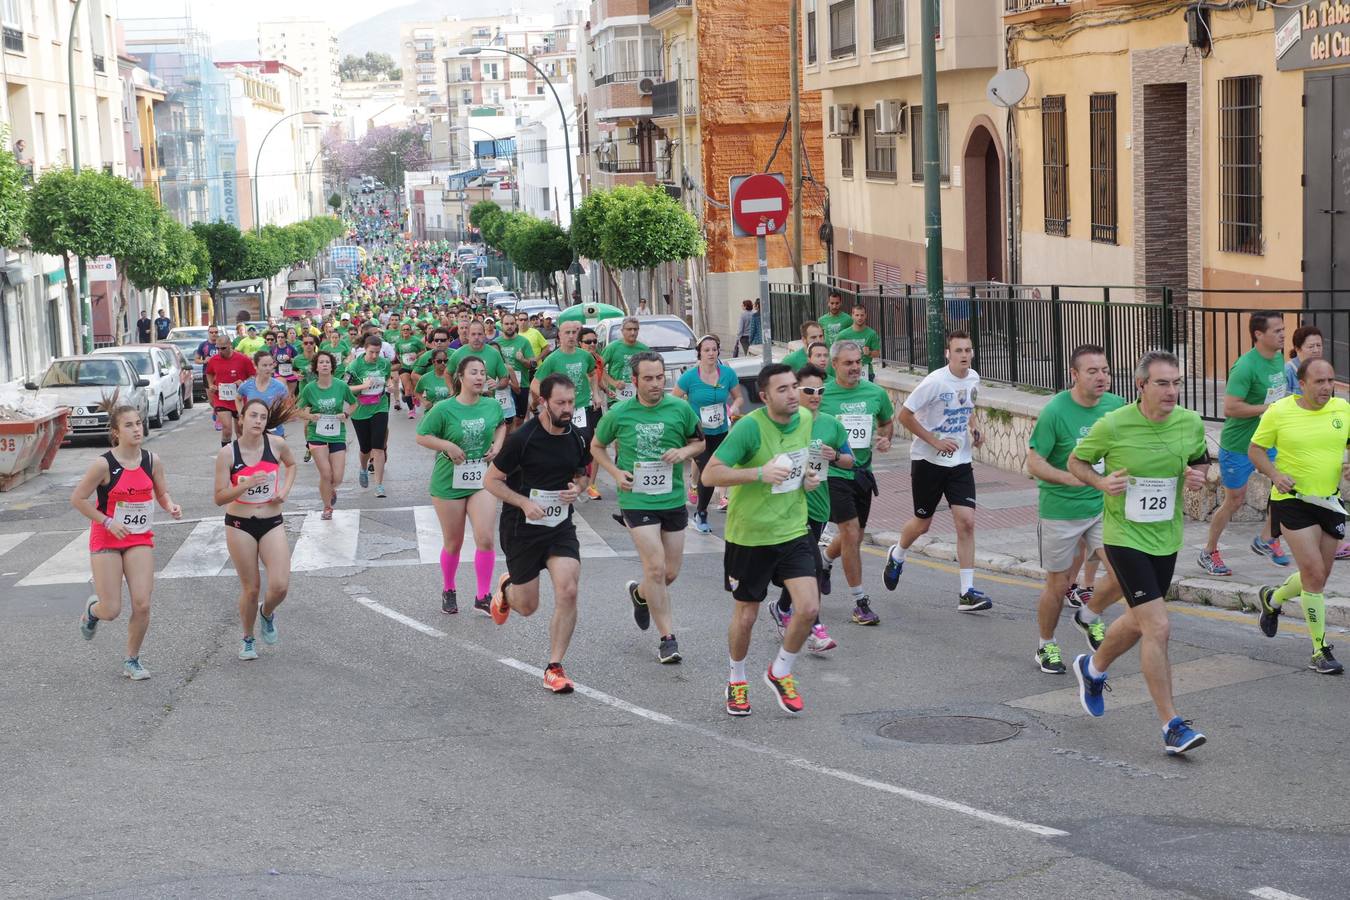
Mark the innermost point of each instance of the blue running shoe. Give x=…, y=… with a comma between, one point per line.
x=1179, y=736
x=1089, y=688
x=89, y=624
x=247, y=650
x=700, y=523
x=890, y=576
x=364, y=478
x=268, y=631
x=1275, y=550
x=973, y=601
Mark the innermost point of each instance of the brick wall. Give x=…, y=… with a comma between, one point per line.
x=1166, y=198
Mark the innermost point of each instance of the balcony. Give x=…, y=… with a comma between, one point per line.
x=1034, y=11
x=13, y=39
x=665, y=13
x=671, y=98
x=627, y=77
x=616, y=101
x=612, y=173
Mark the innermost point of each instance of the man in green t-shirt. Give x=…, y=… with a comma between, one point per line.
x=864, y=336
x=577, y=365
x=656, y=435
x=1070, y=511
x=764, y=462
x=617, y=378
x=1150, y=451
x=811, y=333
x=835, y=320
x=1255, y=382
x=519, y=353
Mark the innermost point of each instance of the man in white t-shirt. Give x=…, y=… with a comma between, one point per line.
x=941, y=416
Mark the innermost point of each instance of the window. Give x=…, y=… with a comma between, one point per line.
x=846, y=157
x=888, y=23
x=810, y=31
x=843, y=39
x=543, y=199
x=1103, y=139
x=1240, y=164
x=880, y=148
x=466, y=73
x=1055, y=165
x=916, y=144
x=11, y=14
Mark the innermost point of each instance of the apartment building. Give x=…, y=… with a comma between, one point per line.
x=425, y=47
x=363, y=105
x=311, y=46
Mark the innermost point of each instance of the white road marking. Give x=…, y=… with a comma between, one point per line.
x=327, y=545
x=591, y=543
x=202, y=555
x=400, y=617
x=1270, y=893
x=9, y=541
x=600, y=696
x=428, y=529
x=579, y=895
x=69, y=565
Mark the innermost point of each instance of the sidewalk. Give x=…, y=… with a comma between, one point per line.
x=1005, y=540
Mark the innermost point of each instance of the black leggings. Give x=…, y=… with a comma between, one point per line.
x=710, y=444
x=372, y=433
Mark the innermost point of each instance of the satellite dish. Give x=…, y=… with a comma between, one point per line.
x=1007, y=88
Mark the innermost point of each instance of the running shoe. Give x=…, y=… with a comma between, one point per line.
x=327, y=514
x=641, y=614
x=1270, y=613
x=500, y=610
x=784, y=691
x=862, y=613
x=133, y=669
x=738, y=698
x=819, y=640
x=723, y=504
x=700, y=522
x=826, y=569
x=1343, y=551
x=973, y=601
x=398, y=405
x=1049, y=660
x=449, y=602
x=556, y=680
x=1085, y=595
x=891, y=574
x=1072, y=597
x=268, y=631
x=370, y=467
x=1213, y=564
x=379, y=491
x=333, y=502
x=593, y=492
x=483, y=604
x=1274, y=550
x=1090, y=689
x=782, y=618
x=1095, y=632
x=1323, y=663
x=363, y=478
x=247, y=650
x=411, y=414
x=88, y=624
x=309, y=456
x=1179, y=736
x=669, y=651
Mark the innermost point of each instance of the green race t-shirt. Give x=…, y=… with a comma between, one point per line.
x=423, y=364
x=867, y=337
x=644, y=433
x=1253, y=379
x=509, y=347
x=473, y=428
x=757, y=517
x=408, y=351
x=434, y=387
x=1309, y=444
x=1147, y=451
x=833, y=324
x=797, y=359
x=357, y=373
x=577, y=365
x=825, y=432
x=492, y=360
x=1062, y=424
x=860, y=409
x=326, y=402
x=615, y=357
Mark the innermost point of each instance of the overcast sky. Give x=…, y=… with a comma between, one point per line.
x=238, y=19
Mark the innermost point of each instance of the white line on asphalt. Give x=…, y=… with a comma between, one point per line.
x=203, y=554
x=327, y=545
x=399, y=617
x=9, y=541
x=1270, y=893
x=601, y=696
x=69, y=565
x=579, y=895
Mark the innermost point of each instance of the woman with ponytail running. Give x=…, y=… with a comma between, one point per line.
x=126, y=482
x=251, y=487
x=466, y=432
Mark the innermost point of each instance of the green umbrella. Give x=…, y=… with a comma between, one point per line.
x=590, y=312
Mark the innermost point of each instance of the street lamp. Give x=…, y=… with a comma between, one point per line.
x=86, y=313
x=575, y=268
x=257, y=160
x=309, y=179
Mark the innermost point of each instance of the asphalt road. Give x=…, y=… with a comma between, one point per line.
x=385, y=750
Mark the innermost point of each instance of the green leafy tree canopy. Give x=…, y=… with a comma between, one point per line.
x=644, y=227
x=481, y=211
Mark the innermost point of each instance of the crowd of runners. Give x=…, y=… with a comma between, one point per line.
x=522, y=415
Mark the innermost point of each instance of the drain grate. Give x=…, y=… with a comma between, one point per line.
x=949, y=730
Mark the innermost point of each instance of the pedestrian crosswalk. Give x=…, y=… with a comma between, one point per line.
x=353, y=539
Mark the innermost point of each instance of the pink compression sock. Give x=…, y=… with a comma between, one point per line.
x=449, y=564
x=482, y=567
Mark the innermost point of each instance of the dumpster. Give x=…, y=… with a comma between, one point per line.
x=28, y=446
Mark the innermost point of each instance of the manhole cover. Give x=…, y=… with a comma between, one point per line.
x=949, y=730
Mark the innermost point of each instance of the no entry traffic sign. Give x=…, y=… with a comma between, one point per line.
x=759, y=201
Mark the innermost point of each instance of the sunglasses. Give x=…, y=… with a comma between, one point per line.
x=590, y=343
x=810, y=391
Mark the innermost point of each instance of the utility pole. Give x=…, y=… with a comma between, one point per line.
x=795, y=78
x=82, y=299
x=932, y=177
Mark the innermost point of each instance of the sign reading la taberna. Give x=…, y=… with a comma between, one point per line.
x=1313, y=36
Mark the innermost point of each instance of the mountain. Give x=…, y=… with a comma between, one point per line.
x=380, y=32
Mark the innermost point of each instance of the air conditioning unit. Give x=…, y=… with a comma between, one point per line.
x=891, y=116
x=646, y=86
x=843, y=119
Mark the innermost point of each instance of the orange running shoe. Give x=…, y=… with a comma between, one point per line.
x=500, y=610
x=738, y=698
x=785, y=692
x=556, y=680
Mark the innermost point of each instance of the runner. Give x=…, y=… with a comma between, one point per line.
x=501, y=379
x=812, y=333
x=941, y=416
x=371, y=377
x=764, y=462
x=439, y=339
x=580, y=368
x=864, y=336
x=205, y=350
x=434, y=386
x=1309, y=433
x=618, y=377
x=829, y=449
x=538, y=476
x=866, y=412
x=656, y=434
x=588, y=340
x=287, y=355
x=835, y=320
x=126, y=482
x=1070, y=511
x=407, y=348
x=1254, y=383
x=324, y=403
x=224, y=372
x=1147, y=447
x=252, y=494
x=713, y=390
x=263, y=386
x=467, y=432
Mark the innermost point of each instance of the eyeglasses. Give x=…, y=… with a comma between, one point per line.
x=810, y=391
x=590, y=343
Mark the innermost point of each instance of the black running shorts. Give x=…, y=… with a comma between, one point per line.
x=528, y=548
x=748, y=571
x=1294, y=515
x=1142, y=576
x=929, y=483
x=669, y=519
x=849, y=500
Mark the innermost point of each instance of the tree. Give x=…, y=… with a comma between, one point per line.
x=335, y=201
x=494, y=227
x=588, y=224
x=371, y=67
x=225, y=254
x=538, y=246
x=645, y=227
x=481, y=210
x=178, y=261
x=384, y=153
x=13, y=197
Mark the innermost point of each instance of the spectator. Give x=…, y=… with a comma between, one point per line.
x=162, y=325
x=745, y=328
x=143, y=326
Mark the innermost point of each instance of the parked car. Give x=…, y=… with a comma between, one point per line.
x=486, y=284
x=542, y=307
x=188, y=339
x=506, y=300
x=79, y=383
x=331, y=285
x=673, y=339
x=161, y=372
x=183, y=361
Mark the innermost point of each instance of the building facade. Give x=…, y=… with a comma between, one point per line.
x=311, y=46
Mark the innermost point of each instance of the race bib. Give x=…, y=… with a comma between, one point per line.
x=1274, y=393
x=713, y=416
x=136, y=518
x=373, y=390
x=285, y=370
x=469, y=474
x=579, y=417
x=262, y=493
x=797, y=460
x=328, y=426
x=626, y=392
x=409, y=358
x=506, y=401
x=815, y=460
x=227, y=391
x=859, y=428
x=1150, y=499
x=555, y=510
x=653, y=477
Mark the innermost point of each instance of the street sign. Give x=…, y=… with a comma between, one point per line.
x=759, y=202
x=101, y=268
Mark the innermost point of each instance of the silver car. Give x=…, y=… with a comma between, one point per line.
x=164, y=380
x=673, y=339
x=79, y=383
